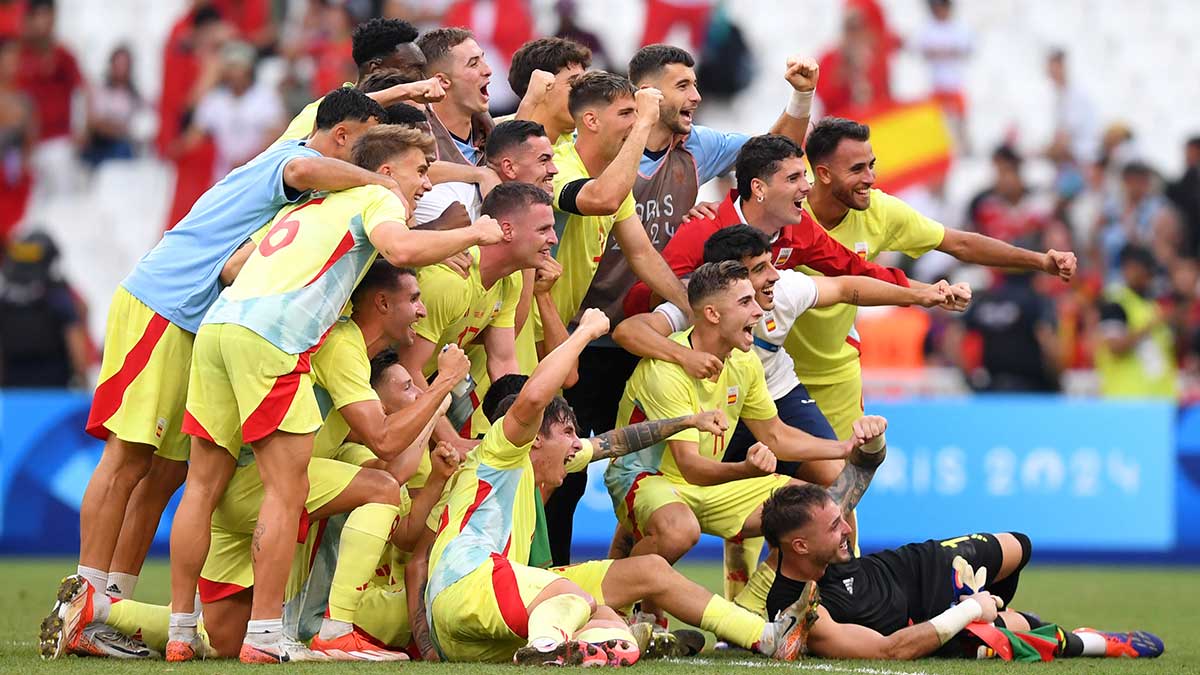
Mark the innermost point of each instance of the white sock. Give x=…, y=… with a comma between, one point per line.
x=264, y=632
x=543, y=644
x=121, y=585
x=331, y=628
x=182, y=626
x=101, y=604
x=1093, y=644
x=97, y=578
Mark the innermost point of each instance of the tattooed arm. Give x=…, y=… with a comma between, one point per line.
x=856, y=476
x=621, y=442
x=416, y=576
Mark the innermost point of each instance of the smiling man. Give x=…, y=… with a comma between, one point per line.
x=460, y=121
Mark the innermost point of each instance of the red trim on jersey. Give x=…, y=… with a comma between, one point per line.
x=342, y=249
x=302, y=527
x=444, y=520
x=637, y=416
x=212, y=591
x=481, y=492
x=192, y=427
x=854, y=342
x=465, y=431
x=632, y=495
x=111, y=392
x=508, y=596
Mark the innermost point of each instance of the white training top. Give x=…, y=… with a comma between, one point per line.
x=432, y=204
x=795, y=293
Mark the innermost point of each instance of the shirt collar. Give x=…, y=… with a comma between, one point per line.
x=737, y=208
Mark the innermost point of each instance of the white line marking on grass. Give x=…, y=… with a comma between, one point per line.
x=796, y=665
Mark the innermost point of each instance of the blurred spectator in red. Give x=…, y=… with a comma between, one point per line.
x=500, y=27
x=241, y=115
x=424, y=14
x=48, y=72
x=1007, y=210
x=570, y=29
x=1139, y=215
x=855, y=73
x=111, y=108
x=1185, y=194
x=12, y=17
x=251, y=19
x=1182, y=306
x=18, y=132
x=662, y=16
x=190, y=50
x=946, y=44
x=43, y=336
x=331, y=47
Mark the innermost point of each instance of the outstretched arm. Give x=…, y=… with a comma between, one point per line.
x=971, y=247
x=621, y=442
x=790, y=443
x=868, y=292
x=403, y=247
x=524, y=418
x=833, y=640
x=647, y=263
x=328, y=174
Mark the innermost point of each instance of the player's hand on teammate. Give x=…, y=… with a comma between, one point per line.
x=867, y=429
x=701, y=365
x=547, y=272
x=648, y=100
x=802, y=73
x=960, y=297
x=1059, y=263
x=423, y=91
x=704, y=210
x=594, y=323
x=935, y=295
x=989, y=603
x=760, y=460
x=711, y=422
x=445, y=460
x=487, y=231
x=453, y=363
x=485, y=180
x=461, y=263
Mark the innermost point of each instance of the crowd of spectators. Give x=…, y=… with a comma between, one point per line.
x=235, y=71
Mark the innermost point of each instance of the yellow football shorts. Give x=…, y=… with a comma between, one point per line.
x=482, y=617
x=840, y=402
x=589, y=576
x=243, y=388
x=229, y=567
x=722, y=510
x=143, y=379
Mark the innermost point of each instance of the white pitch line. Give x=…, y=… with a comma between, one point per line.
x=797, y=665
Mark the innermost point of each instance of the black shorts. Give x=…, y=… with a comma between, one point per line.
x=891, y=589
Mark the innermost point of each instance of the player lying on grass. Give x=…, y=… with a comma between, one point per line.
x=922, y=599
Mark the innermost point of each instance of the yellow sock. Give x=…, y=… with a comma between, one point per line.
x=558, y=618
x=754, y=596
x=732, y=623
x=364, y=537
x=740, y=558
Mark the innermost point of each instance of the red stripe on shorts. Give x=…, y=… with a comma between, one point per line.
x=212, y=591
x=508, y=596
x=111, y=392
x=269, y=414
x=192, y=427
x=630, y=497
x=342, y=249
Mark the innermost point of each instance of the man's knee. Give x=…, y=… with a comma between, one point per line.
x=1016, y=545
x=380, y=487
x=676, y=535
x=127, y=462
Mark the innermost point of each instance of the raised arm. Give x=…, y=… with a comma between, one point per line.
x=328, y=174
x=646, y=334
x=868, y=292
x=802, y=73
x=647, y=263
x=697, y=470
x=524, y=418
x=850, y=485
x=443, y=461
x=971, y=247
x=621, y=442
x=603, y=194
x=417, y=248
x=554, y=332
x=421, y=92
x=792, y=444
x=833, y=640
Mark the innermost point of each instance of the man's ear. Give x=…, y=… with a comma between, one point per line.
x=381, y=302
x=340, y=134
x=800, y=546
x=507, y=228
x=823, y=174
x=758, y=189
x=590, y=120
x=537, y=442
x=712, y=314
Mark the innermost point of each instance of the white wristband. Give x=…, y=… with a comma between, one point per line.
x=950, y=622
x=800, y=104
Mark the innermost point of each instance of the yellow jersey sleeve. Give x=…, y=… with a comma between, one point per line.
x=581, y=460
x=447, y=298
x=910, y=232
x=628, y=208
x=668, y=392
x=381, y=206
x=302, y=124
x=759, y=405
x=434, y=521
x=498, y=452
x=507, y=318
x=342, y=368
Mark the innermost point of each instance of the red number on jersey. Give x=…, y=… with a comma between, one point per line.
x=289, y=226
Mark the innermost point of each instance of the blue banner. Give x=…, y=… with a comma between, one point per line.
x=1079, y=476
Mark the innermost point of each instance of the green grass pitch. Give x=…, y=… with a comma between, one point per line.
x=1162, y=600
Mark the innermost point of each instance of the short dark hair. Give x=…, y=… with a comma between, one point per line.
x=790, y=508
x=381, y=143
x=1136, y=168
x=512, y=196
x=595, y=87
x=550, y=54
x=558, y=412
x=1193, y=142
x=508, y=385
x=403, y=113
x=825, y=136
x=383, y=79
x=1007, y=154
x=380, y=276
x=712, y=278
x=205, y=15
x=381, y=362
x=1133, y=253
x=347, y=104
x=377, y=38
x=436, y=44
x=651, y=59
x=760, y=157
x=510, y=134
x=734, y=243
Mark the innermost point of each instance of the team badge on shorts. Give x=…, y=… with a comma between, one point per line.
x=160, y=427
x=731, y=396
x=860, y=248
x=784, y=254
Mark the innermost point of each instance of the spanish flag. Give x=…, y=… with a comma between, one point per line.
x=912, y=143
